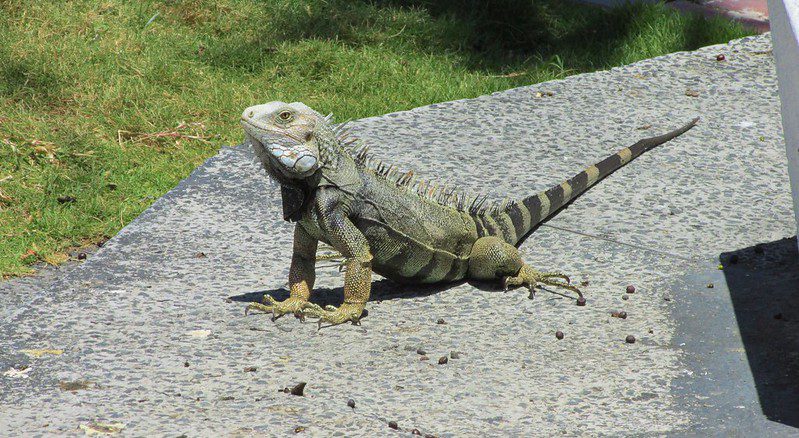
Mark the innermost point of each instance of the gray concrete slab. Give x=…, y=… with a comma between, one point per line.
x=786, y=53
x=154, y=338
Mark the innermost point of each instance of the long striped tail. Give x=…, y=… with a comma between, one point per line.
x=515, y=221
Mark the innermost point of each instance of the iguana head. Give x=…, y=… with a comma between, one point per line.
x=284, y=136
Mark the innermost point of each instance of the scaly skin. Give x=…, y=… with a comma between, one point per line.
x=382, y=221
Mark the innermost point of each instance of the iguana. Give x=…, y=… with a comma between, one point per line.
x=387, y=221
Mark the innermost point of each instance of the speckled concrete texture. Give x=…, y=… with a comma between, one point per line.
x=154, y=338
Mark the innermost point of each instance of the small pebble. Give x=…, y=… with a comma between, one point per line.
x=351, y=403
x=199, y=255
x=250, y=369
x=630, y=339
x=442, y=360
x=622, y=314
x=82, y=256
x=416, y=432
x=393, y=425
x=441, y=321
x=559, y=334
x=630, y=289
x=299, y=429
x=651, y=331
x=421, y=351
x=66, y=199
x=298, y=389
x=454, y=355
x=720, y=57
x=625, y=297
x=75, y=386
x=424, y=358
x=186, y=364
x=710, y=286
x=581, y=301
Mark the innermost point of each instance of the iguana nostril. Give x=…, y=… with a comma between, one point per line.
x=251, y=113
x=308, y=136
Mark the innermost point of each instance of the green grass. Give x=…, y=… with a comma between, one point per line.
x=99, y=106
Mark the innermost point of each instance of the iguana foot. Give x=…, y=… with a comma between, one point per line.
x=529, y=277
x=347, y=312
x=278, y=308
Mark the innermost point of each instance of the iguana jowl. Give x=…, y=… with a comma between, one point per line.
x=385, y=221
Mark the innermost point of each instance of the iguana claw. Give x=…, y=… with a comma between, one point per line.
x=529, y=277
x=347, y=312
x=278, y=308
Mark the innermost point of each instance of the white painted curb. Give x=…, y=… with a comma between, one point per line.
x=784, y=17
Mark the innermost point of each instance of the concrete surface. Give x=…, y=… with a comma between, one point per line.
x=148, y=336
x=786, y=52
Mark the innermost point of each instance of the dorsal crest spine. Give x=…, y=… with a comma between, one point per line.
x=476, y=205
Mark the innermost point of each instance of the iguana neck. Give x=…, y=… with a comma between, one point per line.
x=338, y=168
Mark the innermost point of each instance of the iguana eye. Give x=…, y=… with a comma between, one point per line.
x=285, y=115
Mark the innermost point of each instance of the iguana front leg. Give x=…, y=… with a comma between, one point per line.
x=351, y=243
x=301, y=278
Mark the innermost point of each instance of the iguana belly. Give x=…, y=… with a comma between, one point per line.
x=405, y=260
x=411, y=240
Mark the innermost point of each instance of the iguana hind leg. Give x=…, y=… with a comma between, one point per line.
x=493, y=258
